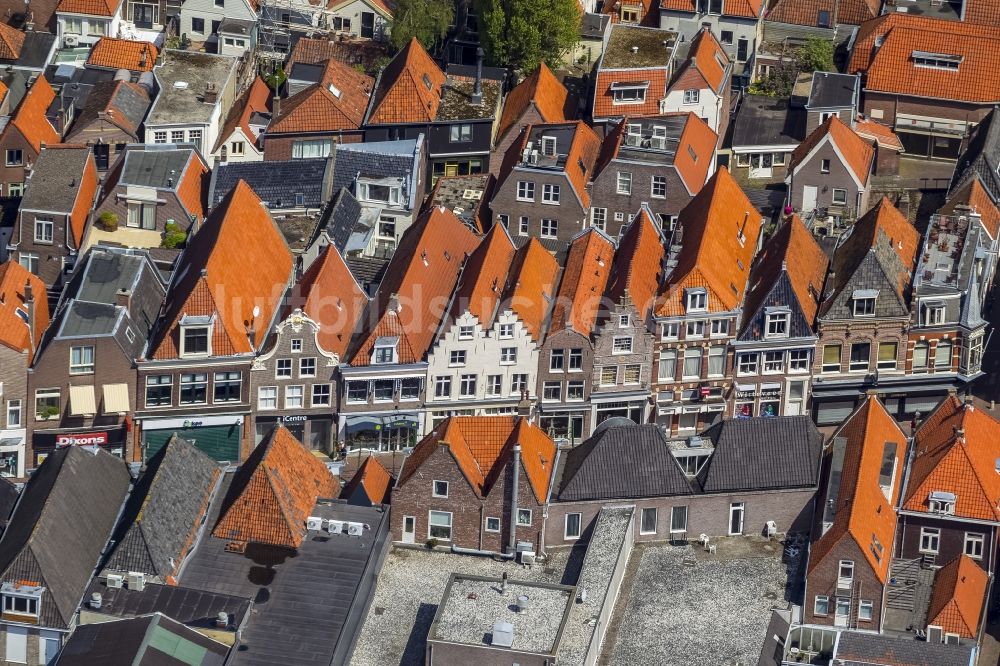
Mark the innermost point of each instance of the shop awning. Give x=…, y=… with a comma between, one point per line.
x=115, y=398
x=81, y=400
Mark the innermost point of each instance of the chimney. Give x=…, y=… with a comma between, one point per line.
x=143, y=58
x=524, y=405
x=123, y=298
x=211, y=93
x=275, y=106
x=477, y=94
x=29, y=304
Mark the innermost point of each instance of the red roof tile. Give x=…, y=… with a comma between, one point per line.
x=957, y=449
x=713, y=256
x=192, y=188
x=986, y=12
x=741, y=8
x=873, y=131
x=273, y=493
x=584, y=280
x=84, y=195
x=806, y=12
x=533, y=276
x=112, y=53
x=255, y=99
x=956, y=603
x=14, y=331
x=89, y=7
x=212, y=277
x=336, y=104
x=331, y=297
x=604, y=106
x=858, y=153
x=409, y=89
x=373, y=478
x=11, y=41
x=705, y=56
x=543, y=90
x=698, y=138
x=975, y=196
x=648, y=11
x=862, y=510
x=638, y=265
x=29, y=118
x=484, y=276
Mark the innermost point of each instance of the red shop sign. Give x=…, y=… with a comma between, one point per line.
x=82, y=439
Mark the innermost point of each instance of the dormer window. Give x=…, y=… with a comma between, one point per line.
x=21, y=599
x=777, y=322
x=936, y=60
x=196, y=335
x=933, y=313
x=629, y=92
x=941, y=502
x=380, y=192
x=697, y=299
x=864, y=302
x=386, y=350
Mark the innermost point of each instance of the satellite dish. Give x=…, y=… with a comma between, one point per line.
x=256, y=311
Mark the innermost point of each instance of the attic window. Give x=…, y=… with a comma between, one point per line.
x=334, y=90
x=697, y=299
x=936, y=60
x=864, y=302
x=386, y=350
x=427, y=81
x=196, y=336
x=694, y=155
x=941, y=502
x=887, y=471
x=21, y=598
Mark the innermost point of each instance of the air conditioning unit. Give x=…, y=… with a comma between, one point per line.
x=335, y=527
x=115, y=581
x=355, y=529
x=935, y=635
x=136, y=581
x=71, y=41
x=658, y=142
x=527, y=557
x=533, y=157
x=314, y=523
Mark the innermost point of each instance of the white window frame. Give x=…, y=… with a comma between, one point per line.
x=267, y=398
x=520, y=517
x=293, y=401
x=486, y=524
x=81, y=366
x=974, y=538
x=930, y=540
x=579, y=526
x=434, y=489
x=618, y=346
x=431, y=526
x=623, y=184
x=525, y=190
x=692, y=96
x=551, y=193
x=821, y=599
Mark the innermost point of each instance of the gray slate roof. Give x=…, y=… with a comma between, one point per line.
x=164, y=511
x=342, y=218
x=60, y=526
x=622, y=462
x=766, y=121
x=54, y=183
x=277, y=183
x=833, y=90
x=856, y=648
x=155, y=167
x=981, y=157
x=762, y=454
x=377, y=159
x=124, y=98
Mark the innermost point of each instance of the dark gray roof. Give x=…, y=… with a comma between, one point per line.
x=762, y=454
x=368, y=271
x=35, y=50
x=194, y=608
x=164, y=511
x=981, y=157
x=82, y=318
x=622, y=462
x=856, y=648
x=153, y=640
x=768, y=121
x=155, y=167
x=832, y=90
x=308, y=604
x=8, y=498
x=341, y=218
x=124, y=99
x=60, y=526
x=55, y=180
x=378, y=159
x=277, y=183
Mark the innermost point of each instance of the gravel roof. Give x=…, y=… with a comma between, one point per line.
x=472, y=604
x=193, y=71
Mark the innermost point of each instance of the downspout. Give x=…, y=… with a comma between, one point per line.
x=548, y=500
x=512, y=545
x=482, y=517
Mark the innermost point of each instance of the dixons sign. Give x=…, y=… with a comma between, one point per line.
x=82, y=439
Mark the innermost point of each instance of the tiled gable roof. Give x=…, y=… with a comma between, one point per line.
x=698, y=138
x=956, y=603
x=484, y=276
x=482, y=446
x=741, y=8
x=29, y=118
x=873, y=131
x=409, y=88
x=121, y=103
x=975, y=196
x=377, y=5
x=372, y=479
x=861, y=510
x=638, y=265
x=581, y=157
x=541, y=89
x=332, y=298
x=604, y=106
x=584, y=280
x=192, y=186
x=986, y=12
x=649, y=14
x=417, y=285
x=255, y=99
x=211, y=277
x=858, y=153
x=11, y=41
x=957, y=447
x=705, y=56
x=274, y=492
x=320, y=108
x=14, y=331
x=131, y=54
x=712, y=255
x=806, y=12
x=532, y=283
x=89, y=7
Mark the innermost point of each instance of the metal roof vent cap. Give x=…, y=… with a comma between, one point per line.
x=522, y=603
x=635, y=49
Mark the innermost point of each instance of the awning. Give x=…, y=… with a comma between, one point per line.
x=115, y=398
x=81, y=401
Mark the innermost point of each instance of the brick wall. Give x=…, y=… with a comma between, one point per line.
x=822, y=580
x=50, y=255
x=952, y=539
x=569, y=214
x=12, y=139
x=279, y=147
x=604, y=191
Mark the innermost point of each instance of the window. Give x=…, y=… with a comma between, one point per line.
x=467, y=386
x=267, y=397
x=409, y=388
x=647, y=520
x=508, y=355
x=887, y=355
x=194, y=341
x=466, y=332
x=936, y=60
x=974, y=545
x=942, y=355
x=296, y=344
x=742, y=49
x=669, y=331
x=294, y=397
x=506, y=331
x=727, y=37
x=629, y=15
x=574, y=391
x=860, y=356
x=442, y=387
x=176, y=136
x=658, y=187
x=73, y=25
x=140, y=215
x=933, y=314
x=678, y=519
x=504, y=220
x=357, y=391
x=320, y=395
x=736, y=510
x=777, y=325
x=668, y=365
x=21, y=605
x=720, y=327
x=283, y=368
x=494, y=384
x=557, y=359
x=227, y=387
x=158, y=390
x=691, y=96
x=237, y=148
x=930, y=540
x=549, y=146
x=845, y=575
x=823, y=18
x=525, y=190
x=518, y=383
x=632, y=374
x=839, y=196
x=697, y=300
x=81, y=360
x=864, y=304
x=746, y=364
x=695, y=329
x=599, y=218
x=571, y=529
x=865, y=609
x=624, y=182
x=15, y=189
x=386, y=226
x=29, y=261
x=522, y=227
x=14, y=157
x=307, y=367
x=798, y=360
x=460, y=133
x=575, y=359
x=457, y=358
x=492, y=524
x=621, y=345
x=550, y=228
x=385, y=350
x=831, y=358
x=975, y=354
x=383, y=390
x=824, y=166
x=194, y=388
x=609, y=375
x=822, y=605
x=550, y=194
x=716, y=361
x=306, y=149
x=47, y=403
x=439, y=525
x=380, y=193
x=43, y=230
x=692, y=362
x=774, y=362
x=13, y=413
x=920, y=355
x=198, y=25
x=552, y=391
x=524, y=517
x=160, y=136
x=626, y=93
x=439, y=489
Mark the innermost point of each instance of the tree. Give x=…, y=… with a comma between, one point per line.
x=523, y=33
x=427, y=20
x=816, y=55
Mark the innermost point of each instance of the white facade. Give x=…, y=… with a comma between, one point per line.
x=200, y=18
x=739, y=37
x=84, y=30
x=240, y=148
x=704, y=104
x=358, y=18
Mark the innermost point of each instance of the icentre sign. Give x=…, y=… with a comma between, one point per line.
x=82, y=439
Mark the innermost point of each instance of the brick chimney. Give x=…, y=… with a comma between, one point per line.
x=123, y=298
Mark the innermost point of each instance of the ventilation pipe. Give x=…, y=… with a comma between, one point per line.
x=512, y=545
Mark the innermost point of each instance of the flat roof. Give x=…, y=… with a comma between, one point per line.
x=768, y=121
x=833, y=90
x=472, y=605
x=633, y=47
x=456, y=99
x=183, y=78
x=189, y=606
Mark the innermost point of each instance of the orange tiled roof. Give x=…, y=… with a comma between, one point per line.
x=873, y=131
x=373, y=478
x=29, y=118
x=420, y=279
x=712, y=256
x=604, y=106
x=11, y=41
x=700, y=138
x=858, y=152
x=806, y=12
x=957, y=598
x=192, y=187
x=336, y=104
x=649, y=14
x=533, y=275
x=585, y=277
x=14, y=331
x=986, y=12
x=89, y=7
x=409, y=89
x=212, y=277
x=134, y=55
x=255, y=99
x=742, y=8
x=638, y=265
x=957, y=449
x=84, y=195
x=273, y=493
x=332, y=299
x=974, y=195
x=482, y=446
x=704, y=58
x=484, y=276
x=543, y=90
x=862, y=510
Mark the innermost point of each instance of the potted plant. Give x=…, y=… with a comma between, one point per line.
x=432, y=543
x=49, y=412
x=108, y=221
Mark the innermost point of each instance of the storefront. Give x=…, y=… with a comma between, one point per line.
x=757, y=400
x=12, y=452
x=631, y=406
x=382, y=432
x=566, y=425
x=217, y=436
x=698, y=409
x=314, y=431
x=111, y=439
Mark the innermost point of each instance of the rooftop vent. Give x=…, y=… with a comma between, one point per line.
x=522, y=603
x=180, y=85
x=503, y=634
x=96, y=600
